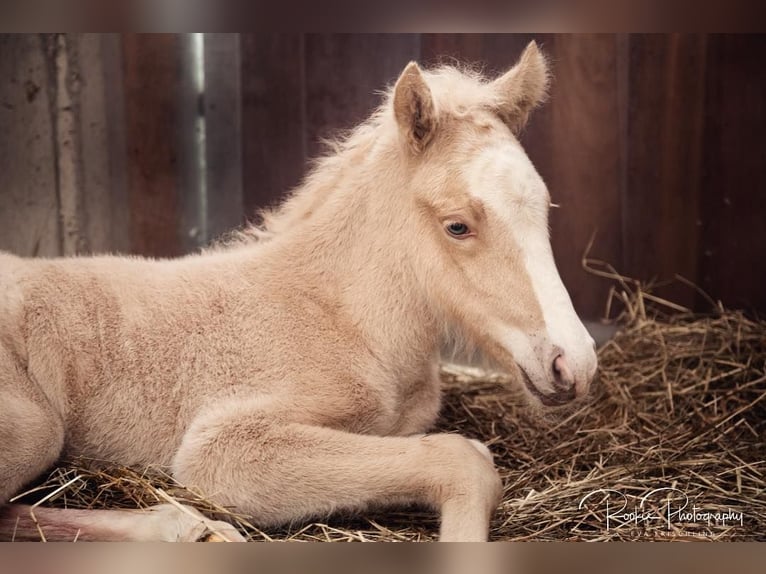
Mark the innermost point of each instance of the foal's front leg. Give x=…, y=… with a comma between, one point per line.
x=279, y=471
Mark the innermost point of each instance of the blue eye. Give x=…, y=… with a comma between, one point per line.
x=457, y=229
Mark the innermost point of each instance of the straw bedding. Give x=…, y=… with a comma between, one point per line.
x=680, y=403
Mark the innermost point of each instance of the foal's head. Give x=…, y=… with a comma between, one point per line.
x=481, y=222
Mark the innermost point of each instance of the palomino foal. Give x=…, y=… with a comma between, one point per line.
x=293, y=371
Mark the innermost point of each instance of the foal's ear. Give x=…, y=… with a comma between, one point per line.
x=522, y=88
x=414, y=108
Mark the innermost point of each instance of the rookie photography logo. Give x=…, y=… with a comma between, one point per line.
x=661, y=512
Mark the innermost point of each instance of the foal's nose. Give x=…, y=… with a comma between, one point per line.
x=563, y=378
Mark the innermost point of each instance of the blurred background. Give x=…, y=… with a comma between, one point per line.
x=155, y=144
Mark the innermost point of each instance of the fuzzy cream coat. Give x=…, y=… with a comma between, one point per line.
x=292, y=371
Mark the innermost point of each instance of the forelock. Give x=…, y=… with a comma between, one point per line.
x=459, y=90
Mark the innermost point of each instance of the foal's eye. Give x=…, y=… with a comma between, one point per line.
x=457, y=229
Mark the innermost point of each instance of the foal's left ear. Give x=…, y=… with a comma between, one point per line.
x=414, y=108
x=522, y=88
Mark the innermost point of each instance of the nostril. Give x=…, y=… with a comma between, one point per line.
x=556, y=367
x=562, y=375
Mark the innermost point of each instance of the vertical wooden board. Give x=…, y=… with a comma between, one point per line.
x=583, y=172
x=223, y=121
x=273, y=149
x=152, y=69
x=622, y=47
x=665, y=125
x=94, y=116
x=733, y=250
x=344, y=72
x=29, y=219
x=114, y=96
x=65, y=82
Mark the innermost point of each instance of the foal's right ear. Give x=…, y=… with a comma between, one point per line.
x=523, y=87
x=414, y=108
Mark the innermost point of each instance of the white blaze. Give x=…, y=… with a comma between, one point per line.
x=503, y=177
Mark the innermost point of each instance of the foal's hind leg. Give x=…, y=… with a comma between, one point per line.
x=277, y=471
x=31, y=432
x=162, y=523
x=31, y=439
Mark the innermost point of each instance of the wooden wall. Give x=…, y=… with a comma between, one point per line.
x=652, y=142
x=61, y=188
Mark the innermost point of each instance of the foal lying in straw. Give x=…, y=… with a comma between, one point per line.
x=293, y=371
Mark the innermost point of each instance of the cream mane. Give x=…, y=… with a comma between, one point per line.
x=459, y=92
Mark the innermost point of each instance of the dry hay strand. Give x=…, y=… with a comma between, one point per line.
x=679, y=403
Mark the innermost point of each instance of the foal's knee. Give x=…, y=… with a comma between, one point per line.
x=466, y=471
x=31, y=439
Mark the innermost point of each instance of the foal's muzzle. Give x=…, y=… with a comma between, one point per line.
x=557, y=398
x=563, y=383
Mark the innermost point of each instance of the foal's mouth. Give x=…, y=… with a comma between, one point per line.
x=556, y=399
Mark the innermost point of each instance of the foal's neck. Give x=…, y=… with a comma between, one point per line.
x=356, y=253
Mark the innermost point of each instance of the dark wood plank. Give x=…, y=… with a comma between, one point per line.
x=273, y=149
x=223, y=119
x=665, y=126
x=583, y=165
x=343, y=74
x=732, y=255
x=114, y=96
x=29, y=210
x=152, y=77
